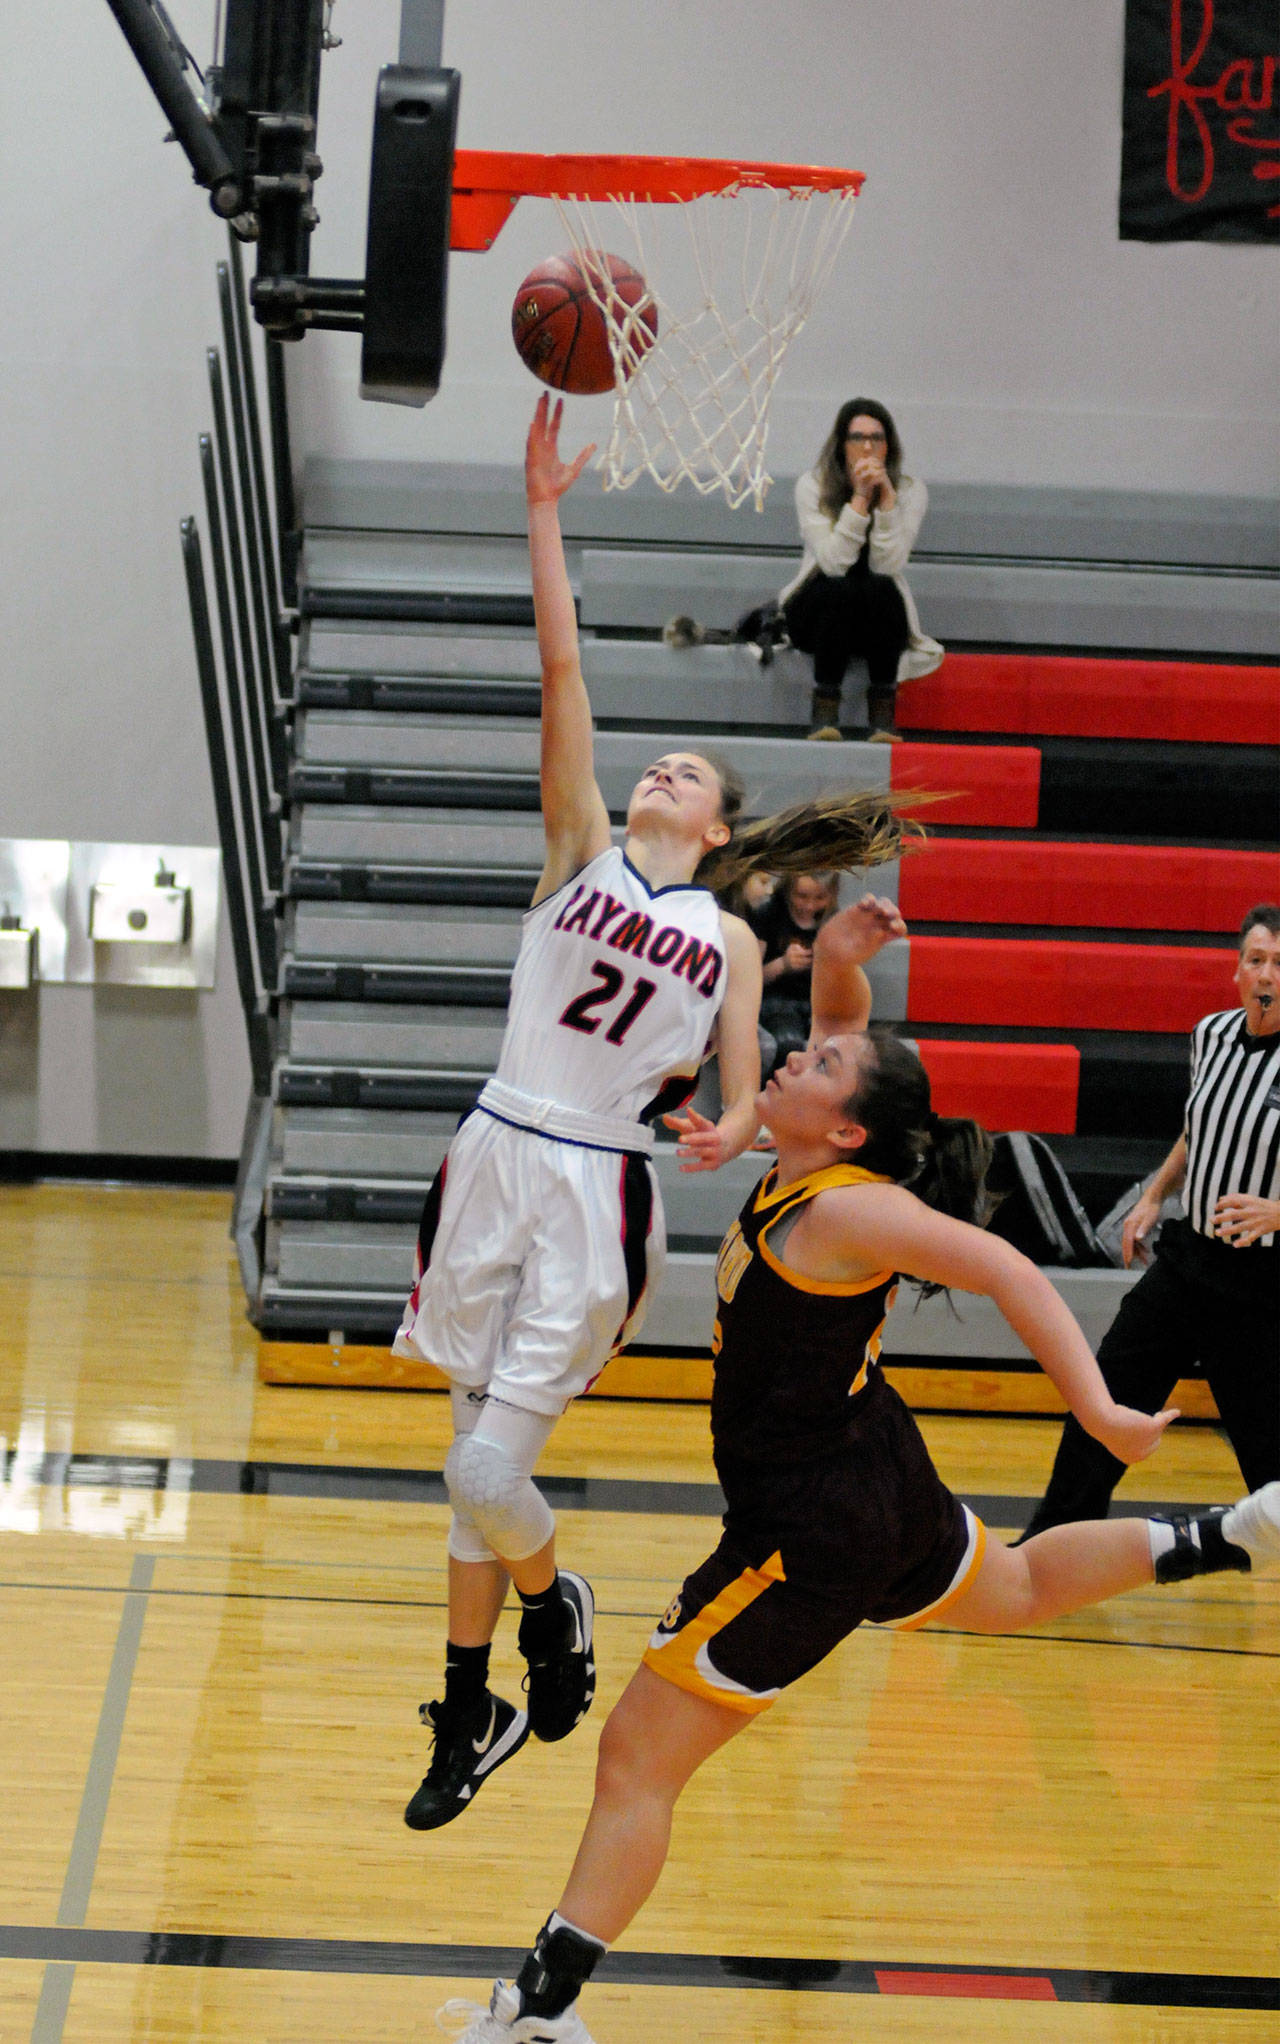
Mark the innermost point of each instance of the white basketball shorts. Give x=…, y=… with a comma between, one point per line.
x=536, y=1259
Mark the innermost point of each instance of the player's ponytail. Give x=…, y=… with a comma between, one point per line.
x=943, y=1158
x=848, y=830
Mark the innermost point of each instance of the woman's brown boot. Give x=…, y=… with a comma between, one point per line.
x=825, y=716
x=880, y=714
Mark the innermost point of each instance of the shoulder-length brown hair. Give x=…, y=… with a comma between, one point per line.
x=834, y=487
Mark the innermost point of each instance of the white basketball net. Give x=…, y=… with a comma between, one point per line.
x=734, y=285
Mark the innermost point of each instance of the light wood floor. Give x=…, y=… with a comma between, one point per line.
x=1098, y=1799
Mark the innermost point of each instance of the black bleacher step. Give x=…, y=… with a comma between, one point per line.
x=414, y=787
x=1133, y=1088
x=367, y=1320
x=1146, y=787
x=298, y=1085
x=293, y=1199
x=392, y=692
x=475, y=887
x=1102, y=1167
x=416, y=606
x=473, y=986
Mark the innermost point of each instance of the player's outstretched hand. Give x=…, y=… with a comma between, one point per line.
x=546, y=476
x=702, y=1146
x=863, y=928
x=1131, y=1435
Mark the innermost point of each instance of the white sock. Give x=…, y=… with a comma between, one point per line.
x=557, y=1922
x=1160, y=1534
x=1254, y=1523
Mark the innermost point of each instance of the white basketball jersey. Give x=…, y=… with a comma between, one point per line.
x=616, y=986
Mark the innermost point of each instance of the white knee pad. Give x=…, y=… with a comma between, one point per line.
x=489, y=1491
x=466, y=1542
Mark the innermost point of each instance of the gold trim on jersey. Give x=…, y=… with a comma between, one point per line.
x=799, y=1193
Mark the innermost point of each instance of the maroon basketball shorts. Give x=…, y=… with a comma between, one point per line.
x=810, y=1553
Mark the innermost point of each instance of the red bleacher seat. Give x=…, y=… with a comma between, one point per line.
x=995, y=785
x=1005, y=1085
x=1035, y=983
x=1131, y=887
x=1064, y=696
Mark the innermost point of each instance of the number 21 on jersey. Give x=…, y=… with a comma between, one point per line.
x=586, y=1012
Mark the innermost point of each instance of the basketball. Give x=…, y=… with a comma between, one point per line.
x=562, y=334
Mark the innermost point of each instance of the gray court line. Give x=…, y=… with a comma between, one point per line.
x=82, y=1860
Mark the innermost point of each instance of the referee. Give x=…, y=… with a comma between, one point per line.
x=1210, y=1301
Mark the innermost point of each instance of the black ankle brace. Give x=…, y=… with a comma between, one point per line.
x=1200, y=1548
x=555, y=1970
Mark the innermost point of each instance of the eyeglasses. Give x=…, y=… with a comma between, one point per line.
x=869, y=439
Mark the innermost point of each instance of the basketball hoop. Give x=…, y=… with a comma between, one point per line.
x=733, y=284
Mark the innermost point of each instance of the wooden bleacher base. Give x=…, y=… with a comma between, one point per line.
x=989, y=1388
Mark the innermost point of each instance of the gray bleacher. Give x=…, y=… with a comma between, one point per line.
x=414, y=840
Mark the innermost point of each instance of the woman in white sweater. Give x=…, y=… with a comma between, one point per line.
x=859, y=516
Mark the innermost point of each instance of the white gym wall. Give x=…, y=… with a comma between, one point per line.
x=984, y=295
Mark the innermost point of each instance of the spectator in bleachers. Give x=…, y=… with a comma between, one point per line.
x=786, y=926
x=748, y=895
x=1208, y=1303
x=859, y=516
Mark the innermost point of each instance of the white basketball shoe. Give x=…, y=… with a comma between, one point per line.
x=503, y=2022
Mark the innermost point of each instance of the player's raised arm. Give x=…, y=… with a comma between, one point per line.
x=841, y=992
x=574, y=816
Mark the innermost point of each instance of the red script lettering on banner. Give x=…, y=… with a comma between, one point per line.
x=1244, y=89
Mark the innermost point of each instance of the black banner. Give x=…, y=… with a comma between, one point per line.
x=1201, y=157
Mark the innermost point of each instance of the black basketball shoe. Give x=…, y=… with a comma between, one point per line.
x=562, y=1679
x=469, y=1745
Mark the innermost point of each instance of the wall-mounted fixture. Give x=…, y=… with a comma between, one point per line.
x=142, y=915
x=122, y=912
x=33, y=910
x=115, y=915
x=19, y=953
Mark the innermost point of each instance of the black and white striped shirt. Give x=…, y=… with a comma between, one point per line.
x=1233, y=1117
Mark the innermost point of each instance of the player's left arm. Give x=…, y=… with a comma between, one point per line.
x=704, y=1145
x=841, y=991
x=574, y=816
x=885, y=1227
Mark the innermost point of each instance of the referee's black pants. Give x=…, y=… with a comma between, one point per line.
x=1175, y=1324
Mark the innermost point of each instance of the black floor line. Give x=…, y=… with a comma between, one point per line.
x=176, y=1591
x=338, y=1481
x=638, y=1969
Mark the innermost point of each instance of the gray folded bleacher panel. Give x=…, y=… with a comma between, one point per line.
x=395, y=561
x=417, y=739
x=455, y=837
x=1035, y=521
x=355, y=1033
x=390, y=933
x=997, y=602
x=345, y=1143
x=353, y=647
x=1151, y=610
x=776, y=771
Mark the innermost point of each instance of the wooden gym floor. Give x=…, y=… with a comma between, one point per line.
x=223, y=1601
